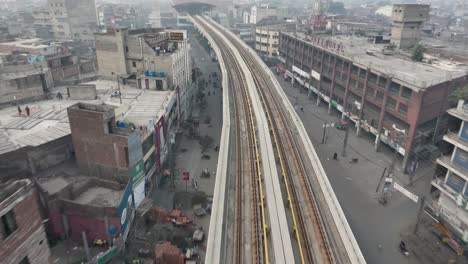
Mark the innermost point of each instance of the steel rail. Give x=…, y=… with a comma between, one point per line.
x=262, y=85
x=253, y=153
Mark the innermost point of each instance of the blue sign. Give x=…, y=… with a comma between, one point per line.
x=461, y=158
x=126, y=210
x=464, y=131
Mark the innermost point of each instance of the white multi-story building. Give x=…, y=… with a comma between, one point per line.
x=450, y=203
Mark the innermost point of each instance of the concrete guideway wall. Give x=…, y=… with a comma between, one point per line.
x=215, y=233
x=280, y=235
x=346, y=234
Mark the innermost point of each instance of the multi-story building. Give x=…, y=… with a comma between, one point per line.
x=267, y=36
x=22, y=235
x=258, y=12
x=72, y=19
x=398, y=100
x=158, y=59
x=42, y=23
x=117, y=15
x=450, y=202
x=407, y=20
x=155, y=59
x=128, y=146
x=55, y=56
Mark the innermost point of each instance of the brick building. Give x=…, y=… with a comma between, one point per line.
x=22, y=234
x=400, y=101
x=102, y=149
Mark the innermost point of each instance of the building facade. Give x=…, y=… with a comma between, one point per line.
x=451, y=200
x=407, y=20
x=23, y=237
x=267, y=41
x=399, y=101
x=158, y=59
x=73, y=20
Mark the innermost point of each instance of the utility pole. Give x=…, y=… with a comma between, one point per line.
x=345, y=142
x=118, y=85
x=381, y=178
x=418, y=219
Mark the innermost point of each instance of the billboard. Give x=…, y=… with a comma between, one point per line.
x=136, y=172
x=126, y=210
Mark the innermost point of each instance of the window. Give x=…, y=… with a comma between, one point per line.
x=391, y=103
x=455, y=182
x=134, y=63
x=402, y=109
x=352, y=83
x=362, y=73
x=394, y=88
x=372, y=78
x=9, y=224
x=126, y=48
x=379, y=96
x=382, y=82
x=406, y=93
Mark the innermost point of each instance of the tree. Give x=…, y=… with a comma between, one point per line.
x=418, y=53
x=461, y=93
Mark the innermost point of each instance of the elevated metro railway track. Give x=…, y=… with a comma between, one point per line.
x=320, y=229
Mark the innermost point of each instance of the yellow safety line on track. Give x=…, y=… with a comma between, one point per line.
x=259, y=172
x=283, y=172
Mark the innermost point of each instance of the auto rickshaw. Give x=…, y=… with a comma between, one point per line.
x=342, y=125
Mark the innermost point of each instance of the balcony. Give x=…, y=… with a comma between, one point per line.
x=447, y=163
x=454, y=139
x=444, y=188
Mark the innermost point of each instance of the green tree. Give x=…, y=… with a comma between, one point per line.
x=461, y=93
x=418, y=53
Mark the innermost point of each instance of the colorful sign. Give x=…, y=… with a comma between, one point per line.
x=137, y=172
x=107, y=256
x=126, y=210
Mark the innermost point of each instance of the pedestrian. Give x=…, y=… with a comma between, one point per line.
x=302, y=109
x=59, y=96
x=335, y=156
x=27, y=110
x=19, y=110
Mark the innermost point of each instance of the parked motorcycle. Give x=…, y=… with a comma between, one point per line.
x=403, y=250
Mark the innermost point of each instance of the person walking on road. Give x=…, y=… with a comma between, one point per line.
x=19, y=110
x=27, y=110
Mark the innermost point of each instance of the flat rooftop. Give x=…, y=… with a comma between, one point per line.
x=149, y=105
x=30, y=43
x=415, y=75
x=100, y=197
x=48, y=120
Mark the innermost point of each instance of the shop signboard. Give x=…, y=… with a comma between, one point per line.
x=126, y=210
x=137, y=172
